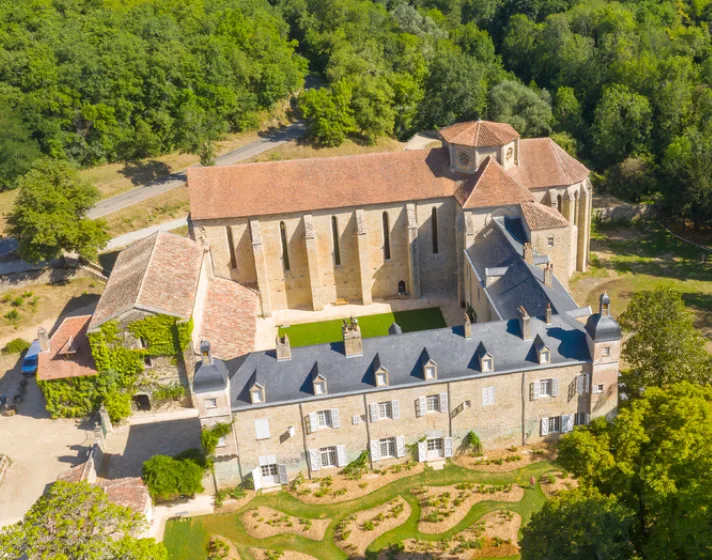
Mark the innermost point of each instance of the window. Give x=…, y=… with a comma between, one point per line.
x=231, y=247
x=328, y=457
x=388, y=447
x=435, y=444
x=487, y=363
x=429, y=372
x=257, y=395
x=335, y=240
x=211, y=403
x=381, y=379
x=435, y=230
x=432, y=403
x=487, y=396
x=323, y=419
x=285, y=248
x=550, y=241
x=385, y=410
x=269, y=470
x=580, y=419
x=554, y=424
x=386, y=238
x=606, y=351
x=598, y=388
x=544, y=356
x=221, y=442
x=262, y=428
x=559, y=204
x=319, y=388
x=545, y=387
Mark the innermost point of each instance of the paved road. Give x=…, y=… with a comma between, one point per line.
x=139, y=194
x=128, y=238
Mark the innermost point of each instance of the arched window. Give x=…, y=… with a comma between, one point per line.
x=285, y=249
x=559, y=204
x=335, y=239
x=386, y=238
x=576, y=208
x=435, y=230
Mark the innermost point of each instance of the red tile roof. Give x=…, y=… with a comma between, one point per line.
x=53, y=365
x=539, y=216
x=126, y=492
x=491, y=186
x=543, y=163
x=158, y=274
x=304, y=185
x=479, y=133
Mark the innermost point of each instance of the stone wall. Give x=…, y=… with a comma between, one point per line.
x=4, y=464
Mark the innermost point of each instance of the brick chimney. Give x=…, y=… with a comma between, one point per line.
x=43, y=338
x=353, y=344
x=284, y=350
x=528, y=253
x=468, y=327
x=549, y=274
x=525, y=323
x=205, y=353
x=548, y=313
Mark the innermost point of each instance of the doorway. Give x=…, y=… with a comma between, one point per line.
x=435, y=448
x=142, y=402
x=401, y=288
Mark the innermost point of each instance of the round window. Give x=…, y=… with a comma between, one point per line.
x=464, y=158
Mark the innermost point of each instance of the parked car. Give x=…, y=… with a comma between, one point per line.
x=29, y=362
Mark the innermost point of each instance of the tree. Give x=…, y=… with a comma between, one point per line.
x=579, y=525
x=567, y=111
x=632, y=178
x=168, y=478
x=328, y=113
x=76, y=521
x=655, y=459
x=17, y=148
x=664, y=346
x=526, y=110
x=199, y=130
x=49, y=215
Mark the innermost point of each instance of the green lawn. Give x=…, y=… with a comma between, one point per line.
x=187, y=539
x=325, y=332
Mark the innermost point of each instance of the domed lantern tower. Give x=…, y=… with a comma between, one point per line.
x=469, y=143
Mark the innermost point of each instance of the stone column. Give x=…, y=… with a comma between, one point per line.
x=584, y=228
x=569, y=208
x=364, y=261
x=258, y=254
x=313, y=262
x=413, y=255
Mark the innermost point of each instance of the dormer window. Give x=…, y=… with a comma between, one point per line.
x=430, y=371
x=257, y=394
x=382, y=378
x=544, y=355
x=487, y=362
x=320, y=385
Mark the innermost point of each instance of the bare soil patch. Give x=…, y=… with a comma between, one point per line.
x=265, y=522
x=232, y=553
x=443, y=507
x=553, y=483
x=338, y=488
x=262, y=554
x=503, y=460
x=357, y=531
x=230, y=504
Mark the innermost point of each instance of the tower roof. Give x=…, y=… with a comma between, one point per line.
x=491, y=186
x=479, y=133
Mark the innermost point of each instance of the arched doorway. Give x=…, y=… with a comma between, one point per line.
x=401, y=288
x=142, y=402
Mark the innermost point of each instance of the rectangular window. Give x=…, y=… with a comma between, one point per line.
x=598, y=388
x=435, y=230
x=432, y=403
x=486, y=364
x=435, y=444
x=221, y=442
x=269, y=470
x=381, y=379
x=386, y=238
x=550, y=241
x=606, y=351
x=319, y=388
x=231, y=248
x=388, y=447
x=323, y=418
x=545, y=387
x=487, y=395
x=328, y=457
x=580, y=419
x=430, y=372
x=385, y=410
x=211, y=403
x=554, y=424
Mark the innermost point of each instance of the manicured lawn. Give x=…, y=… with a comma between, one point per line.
x=186, y=539
x=325, y=332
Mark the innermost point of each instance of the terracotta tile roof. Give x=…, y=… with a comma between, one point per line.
x=53, y=365
x=303, y=185
x=159, y=273
x=126, y=492
x=539, y=216
x=543, y=163
x=75, y=474
x=491, y=186
x=479, y=133
x=229, y=318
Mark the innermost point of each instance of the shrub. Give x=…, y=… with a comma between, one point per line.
x=168, y=478
x=473, y=442
x=118, y=405
x=15, y=346
x=218, y=549
x=357, y=467
x=12, y=316
x=172, y=392
x=209, y=437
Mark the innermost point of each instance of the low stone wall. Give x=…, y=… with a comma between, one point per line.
x=625, y=211
x=4, y=464
x=44, y=276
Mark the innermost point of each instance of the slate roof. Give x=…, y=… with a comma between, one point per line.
x=540, y=216
x=210, y=377
x=479, y=133
x=457, y=358
x=158, y=274
x=491, y=186
x=543, y=163
x=55, y=365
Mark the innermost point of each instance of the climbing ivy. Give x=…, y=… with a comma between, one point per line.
x=163, y=335
x=209, y=437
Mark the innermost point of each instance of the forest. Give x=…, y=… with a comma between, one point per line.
x=625, y=86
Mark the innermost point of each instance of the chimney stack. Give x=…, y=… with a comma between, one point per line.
x=528, y=253
x=548, y=313
x=525, y=323
x=43, y=338
x=353, y=345
x=468, y=327
x=284, y=350
x=549, y=274
x=206, y=354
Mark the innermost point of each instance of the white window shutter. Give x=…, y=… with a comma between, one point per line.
x=395, y=410
x=263, y=459
x=485, y=395
x=567, y=423
x=400, y=446
x=375, y=450
x=422, y=451
x=341, y=455
x=257, y=478
x=535, y=390
x=356, y=419
x=581, y=384
x=262, y=428
x=335, y=422
x=587, y=383
x=555, y=387
x=314, y=459
x=544, y=426
x=420, y=407
x=373, y=412
x=282, y=469
x=447, y=445
x=587, y=418
x=491, y=395
x=313, y=423
x=443, y=402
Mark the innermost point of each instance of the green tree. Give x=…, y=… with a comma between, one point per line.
x=17, y=148
x=526, y=110
x=633, y=178
x=328, y=113
x=76, y=521
x=49, y=215
x=664, y=347
x=168, y=478
x=199, y=130
x=567, y=111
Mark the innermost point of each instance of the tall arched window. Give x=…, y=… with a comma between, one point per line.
x=435, y=230
x=335, y=238
x=386, y=238
x=559, y=204
x=285, y=249
x=576, y=208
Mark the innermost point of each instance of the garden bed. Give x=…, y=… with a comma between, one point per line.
x=357, y=531
x=553, y=483
x=265, y=522
x=262, y=554
x=503, y=460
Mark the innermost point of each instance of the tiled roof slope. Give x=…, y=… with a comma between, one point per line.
x=159, y=274
x=491, y=186
x=302, y=185
x=52, y=365
x=543, y=163
x=539, y=216
x=479, y=133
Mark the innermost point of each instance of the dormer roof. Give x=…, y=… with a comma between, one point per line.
x=539, y=216
x=479, y=134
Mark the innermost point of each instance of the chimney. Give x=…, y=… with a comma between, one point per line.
x=549, y=274
x=353, y=345
x=284, y=350
x=468, y=327
x=525, y=323
x=43, y=338
x=528, y=253
x=206, y=354
x=605, y=304
x=548, y=313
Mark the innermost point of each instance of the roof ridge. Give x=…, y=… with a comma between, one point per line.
x=554, y=146
x=148, y=266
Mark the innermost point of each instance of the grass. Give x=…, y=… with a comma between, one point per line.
x=325, y=332
x=187, y=539
x=299, y=150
